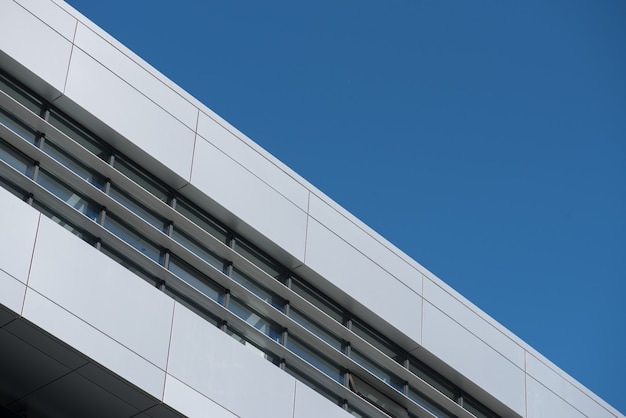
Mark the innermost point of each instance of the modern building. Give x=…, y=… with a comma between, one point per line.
x=158, y=263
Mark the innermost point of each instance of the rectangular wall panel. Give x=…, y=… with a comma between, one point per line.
x=243, y=153
x=471, y=321
x=34, y=44
x=363, y=280
x=191, y=402
x=225, y=371
x=310, y=404
x=132, y=73
x=93, y=343
x=365, y=243
x=18, y=223
x=131, y=114
x=543, y=403
x=249, y=198
x=474, y=359
x=11, y=292
x=109, y=297
x=52, y=15
x=564, y=389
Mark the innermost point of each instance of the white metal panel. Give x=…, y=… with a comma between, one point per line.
x=112, y=100
x=564, y=388
x=244, y=154
x=473, y=358
x=225, y=371
x=136, y=76
x=191, y=402
x=52, y=15
x=11, y=292
x=18, y=223
x=542, y=403
x=366, y=243
x=310, y=404
x=93, y=343
x=248, y=198
x=34, y=44
x=363, y=280
x=101, y=292
x=471, y=321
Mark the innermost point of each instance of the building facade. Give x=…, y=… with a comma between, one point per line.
x=158, y=263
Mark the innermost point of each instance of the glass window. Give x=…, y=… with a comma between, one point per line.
x=17, y=126
x=78, y=134
x=428, y=375
x=255, y=319
x=131, y=237
x=196, y=216
x=142, y=178
x=198, y=249
x=365, y=390
x=85, y=206
x=261, y=352
x=139, y=209
x=259, y=259
x=19, y=94
x=196, y=279
x=317, y=360
x=15, y=159
x=427, y=404
x=64, y=223
x=317, y=299
x=89, y=175
x=251, y=284
x=377, y=340
x=14, y=189
x=316, y=329
x=390, y=378
x=193, y=306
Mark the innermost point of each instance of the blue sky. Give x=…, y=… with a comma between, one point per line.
x=485, y=139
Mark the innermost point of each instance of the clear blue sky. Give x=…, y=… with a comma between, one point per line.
x=486, y=139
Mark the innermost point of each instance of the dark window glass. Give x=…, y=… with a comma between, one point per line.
x=20, y=94
x=255, y=319
x=193, y=306
x=202, y=220
x=85, y=206
x=64, y=223
x=252, y=285
x=138, y=208
x=14, y=189
x=196, y=279
x=317, y=360
x=131, y=237
x=255, y=348
x=198, y=249
x=373, y=395
x=315, y=328
x=432, y=378
x=142, y=178
x=427, y=404
x=377, y=340
x=80, y=169
x=385, y=375
x=17, y=126
x=78, y=134
x=15, y=159
x=317, y=299
x=259, y=259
